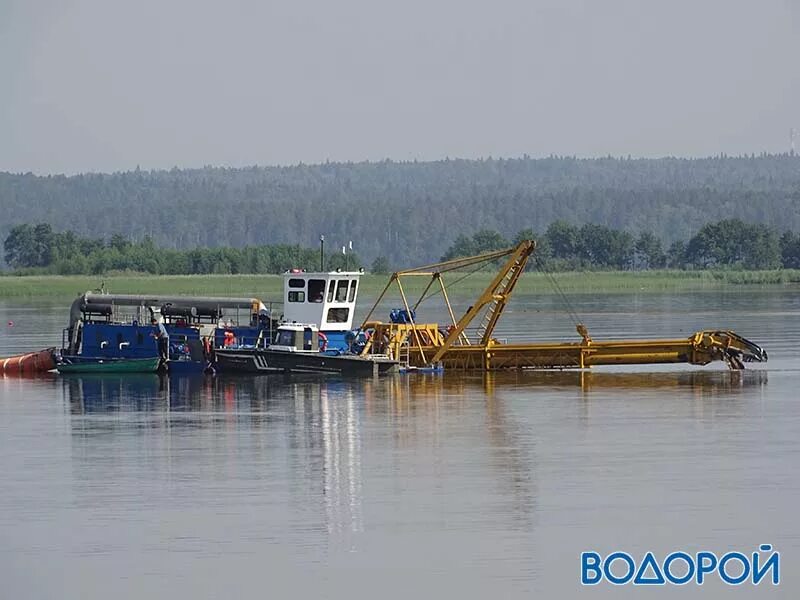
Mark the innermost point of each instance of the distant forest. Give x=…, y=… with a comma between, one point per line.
x=727, y=244
x=408, y=212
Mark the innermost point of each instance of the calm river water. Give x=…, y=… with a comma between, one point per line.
x=448, y=486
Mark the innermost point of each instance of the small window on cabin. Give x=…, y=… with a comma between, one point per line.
x=338, y=315
x=284, y=338
x=341, y=290
x=331, y=285
x=297, y=283
x=297, y=296
x=316, y=290
x=352, y=296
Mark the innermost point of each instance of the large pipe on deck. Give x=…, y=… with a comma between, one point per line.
x=154, y=300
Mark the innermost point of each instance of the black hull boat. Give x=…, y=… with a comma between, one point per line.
x=264, y=360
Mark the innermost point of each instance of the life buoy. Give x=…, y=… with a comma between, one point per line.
x=324, y=339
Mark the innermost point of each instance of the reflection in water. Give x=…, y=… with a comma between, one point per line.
x=393, y=396
x=587, y=380
x=319, y=424
x=329, y=412
x=88, y=394
x=318, y=427
x=342, y=462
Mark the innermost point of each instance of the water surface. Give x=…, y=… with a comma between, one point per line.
x=479, y=486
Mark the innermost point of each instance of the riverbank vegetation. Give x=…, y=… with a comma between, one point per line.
x=727, y=244
x=38, y=250
x=270, y=287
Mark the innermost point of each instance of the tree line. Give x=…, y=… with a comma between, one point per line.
x=40, y=249
x=730, y=243
x=409, y=212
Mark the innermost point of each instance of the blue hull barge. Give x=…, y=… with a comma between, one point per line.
x=105, y=328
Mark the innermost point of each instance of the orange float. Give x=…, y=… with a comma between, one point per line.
x=28, y=364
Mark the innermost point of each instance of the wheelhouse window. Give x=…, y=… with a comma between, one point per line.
x=341, y=290
x=316, y=290
x=331, y=286
x=297, y=296
x=338, y=315
x=352, y=295
x=284, y=338
x=297, y=283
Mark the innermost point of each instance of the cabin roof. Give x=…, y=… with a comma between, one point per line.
x=297, y=326
x=321, y=274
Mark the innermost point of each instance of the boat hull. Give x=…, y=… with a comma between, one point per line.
x=104, y=365
x=252, y=360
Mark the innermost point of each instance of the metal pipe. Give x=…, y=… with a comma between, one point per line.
x=144, y=300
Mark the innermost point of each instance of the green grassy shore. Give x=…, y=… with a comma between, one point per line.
x=269, y=287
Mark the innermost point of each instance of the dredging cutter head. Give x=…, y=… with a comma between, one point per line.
x=730, y=347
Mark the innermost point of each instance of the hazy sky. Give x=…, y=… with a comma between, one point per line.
x=104, y=85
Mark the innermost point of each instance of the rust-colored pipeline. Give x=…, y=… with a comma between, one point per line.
x=28, y=364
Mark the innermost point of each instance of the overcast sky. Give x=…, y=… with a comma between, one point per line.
x=102, y=85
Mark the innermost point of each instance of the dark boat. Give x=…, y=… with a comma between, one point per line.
x=296, y=350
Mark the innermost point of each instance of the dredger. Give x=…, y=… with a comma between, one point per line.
x=467, y=343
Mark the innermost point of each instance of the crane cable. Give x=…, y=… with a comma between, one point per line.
x=573, y=315
x=576, y=320
x=480, y=266
x=567, y=304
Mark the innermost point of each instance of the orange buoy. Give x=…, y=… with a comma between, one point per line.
x=28, y=364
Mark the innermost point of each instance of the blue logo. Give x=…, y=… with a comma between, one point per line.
x=681, y=568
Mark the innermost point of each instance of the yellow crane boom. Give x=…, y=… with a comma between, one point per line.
x=428, y=344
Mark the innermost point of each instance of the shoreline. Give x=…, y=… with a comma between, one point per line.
x=270, y=287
